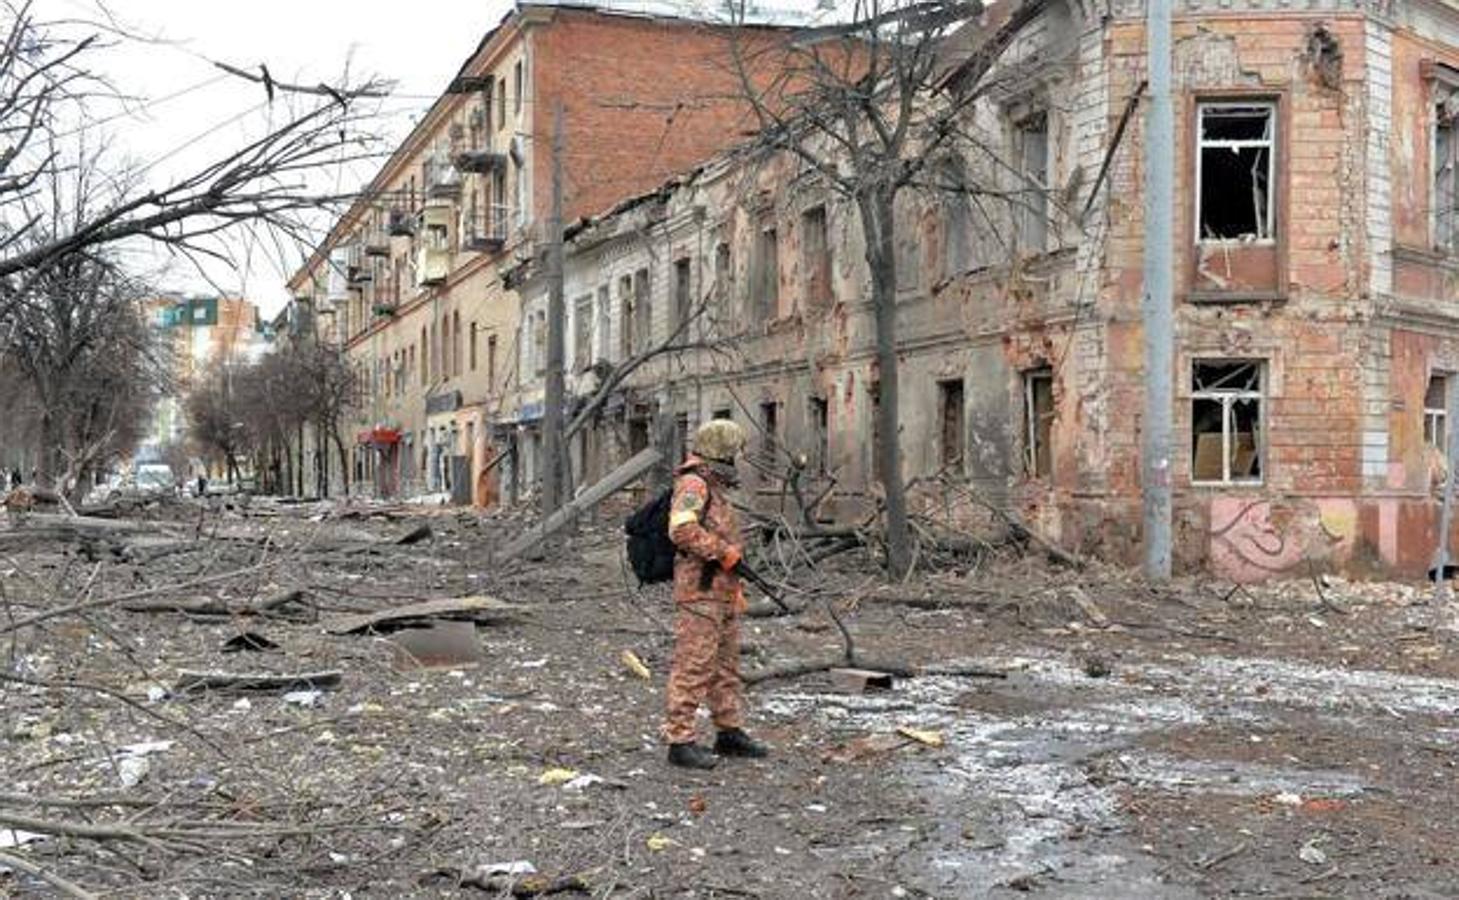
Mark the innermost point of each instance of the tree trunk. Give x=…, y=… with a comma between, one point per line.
x=344, y=460
x=877, y=222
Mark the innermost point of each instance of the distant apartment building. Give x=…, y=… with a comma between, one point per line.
x=200, y=332
x=409, y=281
x=1317, y=304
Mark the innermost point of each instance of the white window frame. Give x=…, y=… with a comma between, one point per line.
x=1030, y=421
x=1269, y=142
x=1228, y=398
x=1435, y=418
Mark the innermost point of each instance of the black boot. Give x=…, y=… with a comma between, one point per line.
x=691, y=756
x=734, y=742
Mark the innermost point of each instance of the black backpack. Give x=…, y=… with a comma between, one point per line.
x=650, y=551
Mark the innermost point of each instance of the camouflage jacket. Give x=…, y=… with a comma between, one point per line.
x=702, y=525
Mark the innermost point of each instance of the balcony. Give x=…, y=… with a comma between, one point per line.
x=485, y=232
x=400, y=223
x=376, y=242
x=358, y=276
x=432, y=265
x=442, y=179
x=480, y=160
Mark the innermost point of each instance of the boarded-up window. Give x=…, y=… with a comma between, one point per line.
x=950, y=415
x=815, y=262
x=683, y=301
x=1226, y=422
x=1038, y=422
x=1033, y=195
x=1234, y=171
x=1436, y=414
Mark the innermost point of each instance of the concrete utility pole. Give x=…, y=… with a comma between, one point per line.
x=553, y=401
x=1158, y=302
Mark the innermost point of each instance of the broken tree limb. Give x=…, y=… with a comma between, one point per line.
x=69, y=888
x=214, y=607
x=900, y=670
x=591, y=496
x=254, y=681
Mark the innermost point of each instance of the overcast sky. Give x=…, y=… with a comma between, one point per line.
x=191, y=112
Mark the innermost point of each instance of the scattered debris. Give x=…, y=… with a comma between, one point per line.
x=471, y=609
x=441, y=644
x=921, y=736
x=254, y=681
x=248, y=641
x=635, y=665
x=860, y=681
x=557, y=776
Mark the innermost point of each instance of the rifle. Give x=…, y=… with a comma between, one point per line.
x=758, y=580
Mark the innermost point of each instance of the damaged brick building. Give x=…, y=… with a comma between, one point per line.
x=1316, y=302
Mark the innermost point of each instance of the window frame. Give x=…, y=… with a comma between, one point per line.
x=1435, y=419
x=1031, y=423
x=1227, y=398
x=1272, y=143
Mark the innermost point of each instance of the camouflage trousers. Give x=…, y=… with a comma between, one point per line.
x=706, y=668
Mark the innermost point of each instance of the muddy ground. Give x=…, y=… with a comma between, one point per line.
x=1192, y=740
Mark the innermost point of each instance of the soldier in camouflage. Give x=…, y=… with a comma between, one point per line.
x=708, y=601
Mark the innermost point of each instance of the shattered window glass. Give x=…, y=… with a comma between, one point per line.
x=1226, y=422
x=1235, y=178
x=1436, y=412
x=1444, y=198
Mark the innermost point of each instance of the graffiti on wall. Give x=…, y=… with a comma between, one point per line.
x=1254, y=540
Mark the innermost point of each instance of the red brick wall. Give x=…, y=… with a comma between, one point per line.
x=685, y=105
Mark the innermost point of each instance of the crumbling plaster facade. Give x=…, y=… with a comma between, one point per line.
x=1335, y=311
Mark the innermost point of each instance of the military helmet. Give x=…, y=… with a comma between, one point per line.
x=719, y=439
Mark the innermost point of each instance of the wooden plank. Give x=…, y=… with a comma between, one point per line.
x=472, y=608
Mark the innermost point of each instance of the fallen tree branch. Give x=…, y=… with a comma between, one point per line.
x=70, y=888
x=188, y=680
x=901, y=670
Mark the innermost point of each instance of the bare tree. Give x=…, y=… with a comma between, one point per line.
x=213, y=416
x=869, y=107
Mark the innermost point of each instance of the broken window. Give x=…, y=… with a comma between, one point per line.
x=1038, y=422
x=605, y=321
x=582, y=335
x=957, y=221
x=950, y=408
x=820, y=412
x=722, y=413
x=1234, y=171
x=1033, y=170
x=769, y=426
x=724, y=279
x=473, y=346
x=625, y=316
x=638, y=428
x=1226, y=422
x=1436, y=414
x=1445, y=198
x=683, y=302
x=765, y=281
x=491, y=359
x=681, y=436
x=642, y=309
x=815, y=253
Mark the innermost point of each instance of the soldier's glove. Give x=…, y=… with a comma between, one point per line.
x=731, y=558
